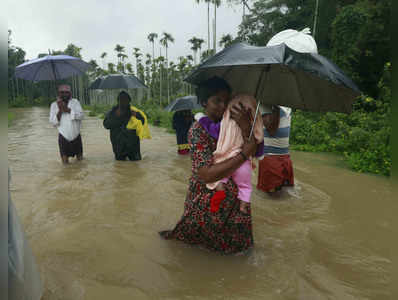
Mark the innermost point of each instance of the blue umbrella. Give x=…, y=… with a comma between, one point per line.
x=51, y=67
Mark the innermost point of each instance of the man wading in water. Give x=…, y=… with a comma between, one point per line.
x=66, y=114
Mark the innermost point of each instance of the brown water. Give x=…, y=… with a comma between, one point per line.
x=93, y=225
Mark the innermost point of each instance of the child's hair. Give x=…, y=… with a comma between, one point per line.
x=210, y=87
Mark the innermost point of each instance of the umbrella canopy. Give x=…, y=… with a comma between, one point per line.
x=96, y=83
x=281, y=76
x=119, y=81
x=51, y=67
x=184, y=103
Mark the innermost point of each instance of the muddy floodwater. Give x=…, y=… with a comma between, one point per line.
x=93, y=225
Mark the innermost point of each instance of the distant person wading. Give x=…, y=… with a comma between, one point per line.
x=127, y=126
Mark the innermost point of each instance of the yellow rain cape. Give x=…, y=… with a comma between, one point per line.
x=134, y=123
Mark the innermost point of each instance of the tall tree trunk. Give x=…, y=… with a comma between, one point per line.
x=315, y=18
x=12, y=90
x=215, y=28
x=167, y=77
x=16, y=85
x=160, y=80
x=208, y=25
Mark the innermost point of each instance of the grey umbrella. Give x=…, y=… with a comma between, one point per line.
x=279, y=75
x=184, y=103
x=118, y=81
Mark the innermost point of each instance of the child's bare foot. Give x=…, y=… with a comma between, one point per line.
x=244, y=207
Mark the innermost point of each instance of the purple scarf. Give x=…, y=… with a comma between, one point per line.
x=213, y=129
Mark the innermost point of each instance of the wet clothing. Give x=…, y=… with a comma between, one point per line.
x=182, y=121
x=274, y=172
x=125, y=142
x=70, y=148
x=69, y=138
x=278, y=144
x=230, y=143
x=226, y=230
x=69, y=124
x=276, y=168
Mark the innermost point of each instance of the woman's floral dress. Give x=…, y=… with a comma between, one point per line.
x=226, y=231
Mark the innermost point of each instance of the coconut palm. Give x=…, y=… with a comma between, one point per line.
x=217, y=3
x=194, y=47
x=226, y=40
x=119, y=50
x=137, y=55
x=129, y=68
x=103, y=55
x=199, y=43
x=208, y=20
x=111, y=68
x=151, y=37
x=165, y=40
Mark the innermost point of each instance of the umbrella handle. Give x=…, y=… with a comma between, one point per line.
x=254, y=121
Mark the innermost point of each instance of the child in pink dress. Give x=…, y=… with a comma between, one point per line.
x=230, y=144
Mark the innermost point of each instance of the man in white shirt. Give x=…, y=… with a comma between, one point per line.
x=66, y=114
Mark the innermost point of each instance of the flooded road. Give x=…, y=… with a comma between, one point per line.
x=93, y=225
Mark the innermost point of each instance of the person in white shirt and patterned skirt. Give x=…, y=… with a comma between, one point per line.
x=66, y=114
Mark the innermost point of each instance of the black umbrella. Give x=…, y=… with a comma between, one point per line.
x=96, y=83
x=184, y=103
x=279, y=75
x=119, y=81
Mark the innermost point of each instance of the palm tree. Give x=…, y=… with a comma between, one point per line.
x=119, y=49
x=167, y=37
x=111, y=68
x=137, y=55
x=208, y=20
x=226, y=40
x=199, y=43
x=194, y=48
x=217, y=3
x=129, y=68
x=103, y=55
x=151, y=37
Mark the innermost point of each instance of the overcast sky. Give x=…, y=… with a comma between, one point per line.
x=98, y=25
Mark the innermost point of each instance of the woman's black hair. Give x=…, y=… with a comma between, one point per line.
x=123, y=93
x=210, y=87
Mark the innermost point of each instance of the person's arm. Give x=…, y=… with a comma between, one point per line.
x=55, y=114
x=140, y=117
x=111, y=121
x=76, y=111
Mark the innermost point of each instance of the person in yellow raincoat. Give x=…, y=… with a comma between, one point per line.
x=127, y=125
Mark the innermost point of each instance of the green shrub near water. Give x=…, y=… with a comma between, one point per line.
x=11, y=117
x=363, y=137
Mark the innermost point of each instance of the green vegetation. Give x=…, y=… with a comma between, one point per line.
x=11, y=117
